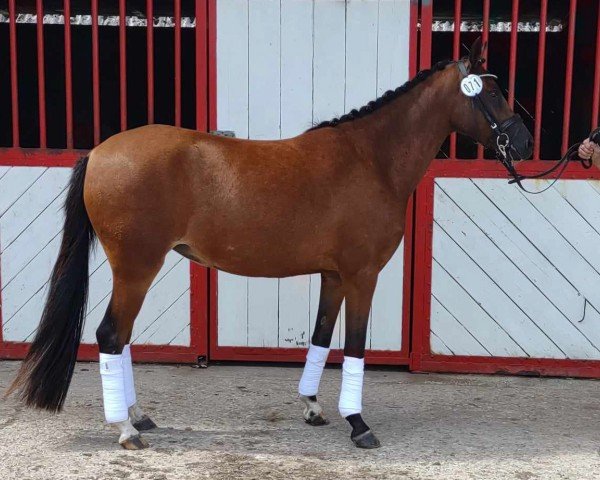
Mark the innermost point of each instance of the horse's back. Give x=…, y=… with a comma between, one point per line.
x=228, y=199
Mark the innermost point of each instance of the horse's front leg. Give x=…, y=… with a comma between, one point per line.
x=137, y=417
x=359, y=294
x=329, y=306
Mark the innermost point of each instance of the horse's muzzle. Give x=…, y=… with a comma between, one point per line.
x=518, y=142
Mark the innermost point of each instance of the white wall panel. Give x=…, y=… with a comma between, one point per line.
x=281, y=66
x=527, y=263
x=30, y=232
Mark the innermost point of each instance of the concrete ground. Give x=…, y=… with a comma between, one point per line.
x=234, y=422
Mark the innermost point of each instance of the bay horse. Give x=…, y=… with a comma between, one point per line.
x=331, y=201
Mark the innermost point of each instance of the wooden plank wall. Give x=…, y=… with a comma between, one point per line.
x=516, y=275
x=31, y=220
x=281, y=66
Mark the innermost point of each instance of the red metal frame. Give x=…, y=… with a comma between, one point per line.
x=421, y=357
x=568, y=77
x=95, y=72
x=512, y=62
x=485, y=36
x=596, y=94
x=177, y=48
x=150, y=57
x=455, y=56
x=14, y=79
x=539, y=94
x=39, y=9
x=123, y=63
x=68, y=75
x=43, y=157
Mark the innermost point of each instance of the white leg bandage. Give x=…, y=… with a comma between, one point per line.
x=353, y=372
x=112, y=373
x=315, y=363
x=129, y=385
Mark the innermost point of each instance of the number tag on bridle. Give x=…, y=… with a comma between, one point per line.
x=471, y=85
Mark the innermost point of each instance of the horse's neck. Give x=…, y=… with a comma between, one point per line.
x=404, y=136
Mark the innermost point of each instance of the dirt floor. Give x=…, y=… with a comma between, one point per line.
x=234, y=422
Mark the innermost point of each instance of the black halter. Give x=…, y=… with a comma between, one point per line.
x=504, y=143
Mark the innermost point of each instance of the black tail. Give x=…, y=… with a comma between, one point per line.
x=46, y=372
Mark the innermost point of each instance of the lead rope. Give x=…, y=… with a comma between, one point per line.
x=562, y=164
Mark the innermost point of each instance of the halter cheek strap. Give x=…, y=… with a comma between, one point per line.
x=472, y=86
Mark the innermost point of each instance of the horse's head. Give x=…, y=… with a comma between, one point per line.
x=483, y=114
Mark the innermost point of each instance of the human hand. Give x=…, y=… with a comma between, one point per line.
x=587, y=149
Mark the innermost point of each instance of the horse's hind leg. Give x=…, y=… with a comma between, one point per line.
x=130, y=285
x=329, y=307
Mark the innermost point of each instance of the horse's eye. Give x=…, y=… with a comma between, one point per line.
x=493, y=94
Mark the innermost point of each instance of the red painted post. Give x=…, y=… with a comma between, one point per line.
x=485, y=37
x=426, y=26
x=39, y=20
x=212, y=64
x=539, y=94
x=455, y=56
x=201, y=65
x=123, y=63
x=95, y=72
x=596, y=95
x=177, y=52
x=568, y=77
x=150, y=57
x=512, y=62
x=14, y=81
x=68, y=75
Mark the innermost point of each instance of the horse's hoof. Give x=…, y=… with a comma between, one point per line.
x=134, y=443
x=144, y=424
x=316, y=420
x=366, y=440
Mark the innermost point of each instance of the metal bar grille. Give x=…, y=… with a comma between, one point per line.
x=201, y=39
x=426, y=24
x=104, y=101
x=569, y=77
x=41, y=73
x=150, y=60
x=103, y=20
x=596, y=94
x=485, y=37
x=68, y=78
x=445, y=25
x=512, y=71
x=14, y=88
x=123, y=64
x=537, y=135
x=177, y=62
x=95, y=72
x=553, y=26
x=455, y=56
x=521, y=56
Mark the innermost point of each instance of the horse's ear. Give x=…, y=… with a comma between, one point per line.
x=475, y=53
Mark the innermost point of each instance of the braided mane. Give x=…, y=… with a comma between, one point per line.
x=384, y=99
